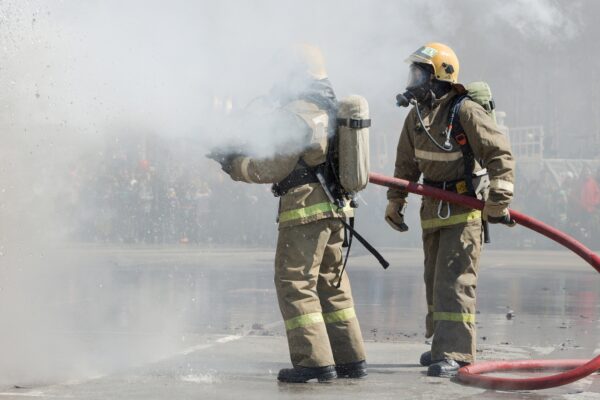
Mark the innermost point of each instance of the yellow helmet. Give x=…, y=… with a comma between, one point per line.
x=300, y=59
x=441, y=57
x=311, y=60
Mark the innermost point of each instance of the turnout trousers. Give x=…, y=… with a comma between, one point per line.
x=320, y=321
x=451, y=267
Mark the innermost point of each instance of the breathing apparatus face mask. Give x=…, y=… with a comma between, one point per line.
x=418, y=76
x=417, y=87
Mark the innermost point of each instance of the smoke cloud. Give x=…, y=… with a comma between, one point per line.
x=538, y=21
x=76, y=75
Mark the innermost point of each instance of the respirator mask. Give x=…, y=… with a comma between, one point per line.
x=417, y=87
x=420, y=87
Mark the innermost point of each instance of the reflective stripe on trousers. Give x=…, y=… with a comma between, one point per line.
x=315, y=318
x=309, y=211
x=452, y=220
x=454, y=317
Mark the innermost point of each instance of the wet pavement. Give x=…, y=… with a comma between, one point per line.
x=176, y=322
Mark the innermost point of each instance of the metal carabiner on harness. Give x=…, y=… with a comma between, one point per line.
x=440, y=206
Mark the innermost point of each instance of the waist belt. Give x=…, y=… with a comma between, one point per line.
x=298, y=177
x=459, y=186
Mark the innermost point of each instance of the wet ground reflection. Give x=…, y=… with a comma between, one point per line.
x=210, y=295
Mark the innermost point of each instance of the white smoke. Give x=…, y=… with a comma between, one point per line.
x=543, y=21
x=73, y=72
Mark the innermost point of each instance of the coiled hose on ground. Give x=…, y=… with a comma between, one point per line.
x=472, y=374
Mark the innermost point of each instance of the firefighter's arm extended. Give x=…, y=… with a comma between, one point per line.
x=224, y=156
x=406, y=168
x=263, y=170
x=491, y=146
x=273, y=169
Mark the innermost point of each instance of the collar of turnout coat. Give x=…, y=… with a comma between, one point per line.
x=430, y=105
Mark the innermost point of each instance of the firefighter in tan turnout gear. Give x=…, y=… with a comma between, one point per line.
x=435, y=141
x=323, y=332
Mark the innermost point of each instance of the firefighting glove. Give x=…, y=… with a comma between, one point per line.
x=497, y=214
x=225, y=159
x=394, y=215
x=227, y=163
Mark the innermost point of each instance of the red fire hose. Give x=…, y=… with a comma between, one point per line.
x=577, y=369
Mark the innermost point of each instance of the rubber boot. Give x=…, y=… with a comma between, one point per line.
x=445, y=368
x=305, y=374
x=426, y=359
x=352, y=370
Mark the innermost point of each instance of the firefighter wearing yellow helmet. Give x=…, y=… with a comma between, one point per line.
x=441, y=58
x=455, y=144
x=323, y=332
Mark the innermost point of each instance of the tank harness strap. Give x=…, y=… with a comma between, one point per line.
x=458, y=134
x=301, y=175
x=347, y=244
x=354, y=123
x=350, y=227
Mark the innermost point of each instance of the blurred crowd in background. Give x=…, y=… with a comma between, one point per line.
x=142, y=189
x=564, y=195
x=145, y=189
